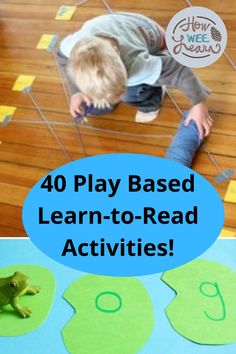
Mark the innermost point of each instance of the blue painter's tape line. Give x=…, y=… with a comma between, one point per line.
x=53, y=43
x=27, y=89
x=6, y=120
x=227, y=174
x=63, y=10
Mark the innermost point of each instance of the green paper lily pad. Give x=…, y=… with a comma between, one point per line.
x=113, y=315
x=204, y=310
x=11, y=324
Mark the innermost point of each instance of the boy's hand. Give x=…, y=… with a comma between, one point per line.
x=199, y=113
x=76, y=104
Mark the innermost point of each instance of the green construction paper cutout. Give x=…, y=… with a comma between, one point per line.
x=204, y=310
x=113, y=315
x=11, y=324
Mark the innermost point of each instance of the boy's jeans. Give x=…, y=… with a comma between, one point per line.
x=144, y=97
x=185, y=143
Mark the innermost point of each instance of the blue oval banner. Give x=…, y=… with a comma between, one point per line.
x=123, y=214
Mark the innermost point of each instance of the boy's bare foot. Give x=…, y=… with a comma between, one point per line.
x=142, y=117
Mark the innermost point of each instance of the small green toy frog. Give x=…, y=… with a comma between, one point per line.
x=11, y=288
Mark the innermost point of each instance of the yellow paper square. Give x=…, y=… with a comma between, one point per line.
x=230, y=195
x=6, y=111
x=23, y=82
x=65, y=13
x=227, y=233
x=45, y=41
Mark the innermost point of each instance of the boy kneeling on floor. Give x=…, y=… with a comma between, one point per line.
x=122, y=57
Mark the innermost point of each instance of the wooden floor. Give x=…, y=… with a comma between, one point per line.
x=28, y=151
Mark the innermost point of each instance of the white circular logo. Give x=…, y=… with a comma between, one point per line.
x=196, y=37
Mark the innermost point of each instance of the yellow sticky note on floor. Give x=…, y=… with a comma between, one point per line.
x=23, y=83
x=227, y=233
x=230, y=195
x=65, y=13
x=6, y=112
x=47, y=41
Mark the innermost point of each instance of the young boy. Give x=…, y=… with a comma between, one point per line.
x=123, y=57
